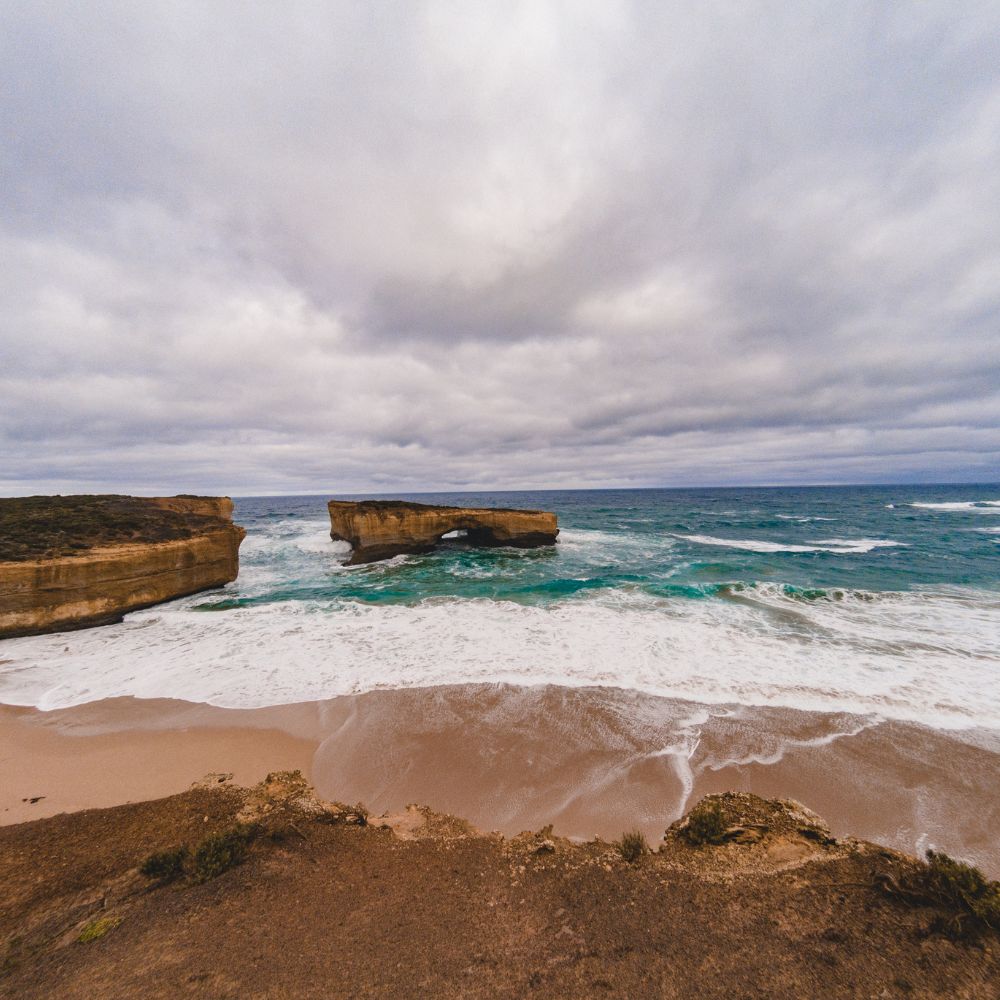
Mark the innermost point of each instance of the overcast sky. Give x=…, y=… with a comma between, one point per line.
x=270, y=247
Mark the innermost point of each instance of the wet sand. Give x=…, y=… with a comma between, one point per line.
x=591, y=761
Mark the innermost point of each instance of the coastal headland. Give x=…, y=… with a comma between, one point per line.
x=225, y=891
x=381, y=529
x=78, y=561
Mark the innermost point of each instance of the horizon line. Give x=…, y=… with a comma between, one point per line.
x=994, y=484
x=617, y=489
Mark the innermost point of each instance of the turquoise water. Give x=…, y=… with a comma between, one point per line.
x=881, y=601
x=816, y=542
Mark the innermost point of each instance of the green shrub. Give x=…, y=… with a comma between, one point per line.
x=960, y=888
x=166, y=866
x=98, y=928
x=706, y=823
x=632, y=846
x=221, y=851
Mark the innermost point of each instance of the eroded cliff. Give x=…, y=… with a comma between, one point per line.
x=74, y=562
x=380, y=529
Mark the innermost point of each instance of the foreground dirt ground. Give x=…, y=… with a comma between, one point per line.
x=328, y=905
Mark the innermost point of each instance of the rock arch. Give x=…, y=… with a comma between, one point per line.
x=380, y=529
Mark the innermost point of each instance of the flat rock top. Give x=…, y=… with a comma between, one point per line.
x=409, y=506
x=44, y=527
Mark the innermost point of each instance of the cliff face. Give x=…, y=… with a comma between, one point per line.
x=220, y=508
x=379, y=529
x=106, y=581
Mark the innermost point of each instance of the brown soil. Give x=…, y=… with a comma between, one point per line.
x=421, y=905
x=45, y=527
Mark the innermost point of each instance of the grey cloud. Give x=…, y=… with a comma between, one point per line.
x=334, y=247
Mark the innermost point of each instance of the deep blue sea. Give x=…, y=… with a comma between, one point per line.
x=880, y=600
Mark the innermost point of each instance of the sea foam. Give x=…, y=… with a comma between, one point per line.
x=985, y=506
x=844, y=546
x=892, y=663
x=803, y=520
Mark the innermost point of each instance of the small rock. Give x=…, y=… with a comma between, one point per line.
x=213, y=778
x=744, y=834
x=545, y=847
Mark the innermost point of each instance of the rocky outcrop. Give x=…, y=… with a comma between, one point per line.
x=327, y=901
x=379, y=529
x=100, y=583
x=221, y=508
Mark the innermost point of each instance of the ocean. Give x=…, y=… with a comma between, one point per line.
x=883, y=601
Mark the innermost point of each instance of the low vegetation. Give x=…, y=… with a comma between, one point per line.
x=98, y=928
x=47, y=527
x=706, y=823
x=971, y=901
x=165, y=866
x=632, y=846
x=221, y=851
x=216, y=854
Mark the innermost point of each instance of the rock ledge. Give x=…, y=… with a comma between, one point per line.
x=380, y=529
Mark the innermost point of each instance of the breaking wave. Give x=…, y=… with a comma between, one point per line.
x=843, y=546
x=985, y=506
x=803, y=520
x=921, y=657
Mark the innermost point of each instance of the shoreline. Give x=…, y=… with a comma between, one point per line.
x=590, y=761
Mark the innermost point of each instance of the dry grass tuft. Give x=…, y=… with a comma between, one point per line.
x=221, y=851
x=706, y=823
x=98, y=928
x=165, y=866
x=632, y=846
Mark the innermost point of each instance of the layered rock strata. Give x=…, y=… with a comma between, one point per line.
x=87, y=580
x=380, y=529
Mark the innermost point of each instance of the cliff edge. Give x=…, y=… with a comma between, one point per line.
x=78, y=561
x=233, y=892
x=380, y=529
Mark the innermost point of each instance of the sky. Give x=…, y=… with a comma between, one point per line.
x=254, y=248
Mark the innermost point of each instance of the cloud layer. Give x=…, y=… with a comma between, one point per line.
x=278, y=247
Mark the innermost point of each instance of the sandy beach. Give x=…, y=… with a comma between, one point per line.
x=591, y=761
